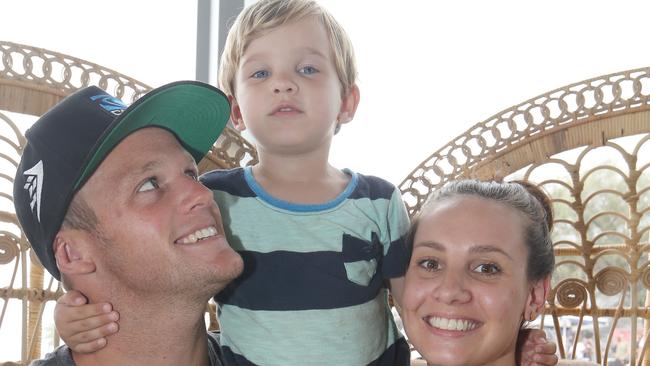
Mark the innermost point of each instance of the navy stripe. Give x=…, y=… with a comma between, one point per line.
x=373, y=188
x=398, y=354
x=284, y=280
x=230, y=358
x=355, y=249
x=396, y=261
x=233, y=182
x=230, y=181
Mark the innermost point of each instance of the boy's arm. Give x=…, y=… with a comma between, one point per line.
x=83, y=327
x=535, y=349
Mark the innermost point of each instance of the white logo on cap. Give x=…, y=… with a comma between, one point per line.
x=34, y=185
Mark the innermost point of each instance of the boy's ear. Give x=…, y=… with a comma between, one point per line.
x=536, y=299
x=349, y=105
x=71, y=254
x=235, y=114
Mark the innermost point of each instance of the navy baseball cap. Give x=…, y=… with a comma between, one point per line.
x=67, y=144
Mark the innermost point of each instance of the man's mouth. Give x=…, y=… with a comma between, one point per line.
x=460, y=325
x=198, y=235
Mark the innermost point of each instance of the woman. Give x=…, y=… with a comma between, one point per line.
x=480, y=267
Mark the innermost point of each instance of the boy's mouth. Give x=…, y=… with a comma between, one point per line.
x=285, y=108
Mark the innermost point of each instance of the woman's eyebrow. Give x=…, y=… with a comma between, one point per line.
x=489, y=249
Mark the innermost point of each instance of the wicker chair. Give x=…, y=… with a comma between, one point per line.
x=549, y=139
x=32, y=80
x=588, y=145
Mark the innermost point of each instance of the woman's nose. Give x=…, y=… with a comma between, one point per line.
x=452, y=289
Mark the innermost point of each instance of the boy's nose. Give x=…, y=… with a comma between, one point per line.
x=284, y=84
x=288, y=89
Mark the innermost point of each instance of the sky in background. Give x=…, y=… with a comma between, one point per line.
x=429, y=70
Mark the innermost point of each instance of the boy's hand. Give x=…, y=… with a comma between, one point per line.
x=83, y=327
x=535, y=350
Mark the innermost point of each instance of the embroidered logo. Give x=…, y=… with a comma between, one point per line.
x=110, y=104
x=34, y=186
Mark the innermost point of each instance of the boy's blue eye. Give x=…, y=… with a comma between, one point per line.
x=148, y=185
x=308, y=70
x=260, y=74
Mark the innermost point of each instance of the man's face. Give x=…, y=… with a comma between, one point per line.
x=161, y=229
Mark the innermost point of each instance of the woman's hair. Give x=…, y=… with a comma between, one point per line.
x=266, y=15
x=526, y=198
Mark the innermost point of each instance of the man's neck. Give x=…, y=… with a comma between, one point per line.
x=154, y=334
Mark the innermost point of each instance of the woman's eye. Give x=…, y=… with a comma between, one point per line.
x=148, y=185
x=308, y=70
x=260, y=74
x=429, y=264
x=487, y=269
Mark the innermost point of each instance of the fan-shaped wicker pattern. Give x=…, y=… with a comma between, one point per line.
x=32, y=80
x=585, y=107
x=601, y=205
x=588, y=145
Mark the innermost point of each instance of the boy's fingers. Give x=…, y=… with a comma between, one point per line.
x=545, y=359
x=546, y=348
x=94, y=335
x=92, y=323
x=72, y=298
x=83, y=312
x=90, y=347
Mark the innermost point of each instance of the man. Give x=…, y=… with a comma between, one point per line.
x=109, y=198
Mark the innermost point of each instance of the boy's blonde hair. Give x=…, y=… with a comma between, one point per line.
x=266, y=15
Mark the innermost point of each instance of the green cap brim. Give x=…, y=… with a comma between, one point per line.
x=195, y=112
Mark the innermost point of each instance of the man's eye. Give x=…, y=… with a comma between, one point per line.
x=260, y=74
x=488, y=269
x=429, y=264
x=308, y=70
x=192, y=174
x=148, y=185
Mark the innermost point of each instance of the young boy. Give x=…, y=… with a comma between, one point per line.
x=320, y=245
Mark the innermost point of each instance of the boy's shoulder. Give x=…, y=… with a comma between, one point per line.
x=228, y=180
x=218, y=176
x=370, y=186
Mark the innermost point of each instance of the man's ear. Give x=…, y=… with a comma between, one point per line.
x=235, y=114
x=70, y=251
x=349, y=105
x=537, y=298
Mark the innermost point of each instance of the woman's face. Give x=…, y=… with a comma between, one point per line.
x=466, y=290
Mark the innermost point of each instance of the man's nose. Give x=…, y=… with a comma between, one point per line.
x=194, y=194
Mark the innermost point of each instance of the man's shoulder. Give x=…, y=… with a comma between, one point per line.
x=59, y=357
